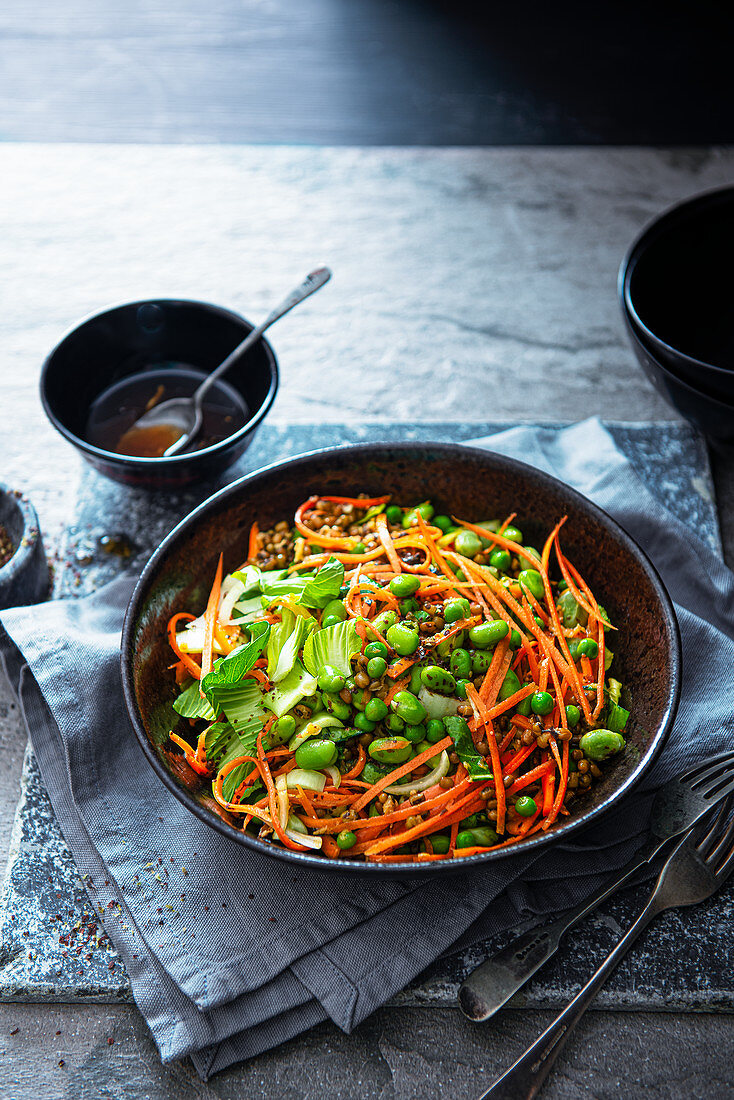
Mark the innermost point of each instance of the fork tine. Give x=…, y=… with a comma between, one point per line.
x=719, y=789
x=706, y=779
x=711, y=829
x=709, y=762
x=722, y=852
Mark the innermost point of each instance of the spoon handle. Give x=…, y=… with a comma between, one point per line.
x=313, y=282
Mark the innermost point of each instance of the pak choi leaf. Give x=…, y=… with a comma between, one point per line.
x=466, y=750
x=290, y=690
x=334, y=645
x=230, y=670
x=285, y=641
x=191, y=705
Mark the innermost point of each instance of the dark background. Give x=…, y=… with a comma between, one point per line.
x=367, y=72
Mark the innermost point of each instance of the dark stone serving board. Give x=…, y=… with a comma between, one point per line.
x=53, y=945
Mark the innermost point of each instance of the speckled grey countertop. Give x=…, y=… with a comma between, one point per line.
x=473, y=285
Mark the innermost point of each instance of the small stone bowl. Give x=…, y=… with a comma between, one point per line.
x=24, y=579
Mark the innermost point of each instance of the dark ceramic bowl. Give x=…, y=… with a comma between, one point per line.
x=124, y=340
x=676, y=287
x=470, y=483
x=24, y=579
x=712, y=417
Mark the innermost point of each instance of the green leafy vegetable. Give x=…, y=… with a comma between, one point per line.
x=191, y=705
x=245, y=611
x=334, y=645
x=313, y=590
x=290, y=690
x=466, y=750
x=230, y=670
x=223, y=744
x=250, y=577
x=617, y=718
x=285, y=641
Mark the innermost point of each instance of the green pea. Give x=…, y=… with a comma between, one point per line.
x=415, y=679
x=376, y=667
x=407, y=605
x=330, y=679
x=372, y=772
x=476, y=838
x=573, y=648
x=588, y=648
x=346, y=839
x=439, y=843
x=405, y=584
x=573, y=715
x=532, y=580
x=438, y=679
x=383, y=622
x=408, y=707
x=443, y=523
x=500, y=559
x=599, y=744
x=336, y=706
x=541, y=702
x=362, y=723
x=460, y=663
x=403, y=638
x=461, y=686
x=359, y=548
x=425, y=509
x=285, y=727
x=375, y=710
x=394, y=514
x=468, y=544
x=316, y=754
x=454, y=610
x=561, y=586
x=533, y=552
x=513, y=534
x=424, y=746
x=394, y=723
x=510, y=685
x=336, y=609
x=480, y=661
x=376, y=649
x=390, y=750
x=523, y=707
x=487, y=635
x=414, y=734
x=435, y=731
x=526, y=806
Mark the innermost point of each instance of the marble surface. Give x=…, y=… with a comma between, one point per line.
x=473, y=284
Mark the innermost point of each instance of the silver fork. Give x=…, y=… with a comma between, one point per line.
x=678, y=805
x=699, y=865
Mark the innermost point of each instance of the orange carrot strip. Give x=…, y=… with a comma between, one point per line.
x=191, y=758
x=399, y=685
x=562, y=787
x=210, y=617
x=357, y=768
x=499, y=787
x=386, y=539
x=399, y=772
x=190, y=664
x=272, y=796
x=507, y=544
x=254, y=544
x=548, y=785
x=511, y=701
x=396, y=670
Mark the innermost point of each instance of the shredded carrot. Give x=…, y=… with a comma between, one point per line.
x=210, y=618
x=499, y=786
x=400, y=685
x=190, y=664
x=254, y=543
x=383, y=531
x=403, y=769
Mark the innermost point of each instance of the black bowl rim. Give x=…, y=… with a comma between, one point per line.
x=723, y=406
x=450, y=450
x=22, y=556
x=173, y=460
x=655, y=228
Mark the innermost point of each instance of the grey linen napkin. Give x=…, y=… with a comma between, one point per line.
x=254, y=952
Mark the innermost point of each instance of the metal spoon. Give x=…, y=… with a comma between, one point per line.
x=185, y=413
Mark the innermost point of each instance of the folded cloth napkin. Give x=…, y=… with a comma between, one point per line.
x=255, y=952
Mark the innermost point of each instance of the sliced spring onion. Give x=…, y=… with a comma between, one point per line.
x=334, y=774
x=284, y=807
x=306, y=778
x=232, y=591
x=296, y=825
x=305, y=839
x=438, y=706
x=423, y=784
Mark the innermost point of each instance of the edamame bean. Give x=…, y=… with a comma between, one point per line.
x=573, y=715
x=415, y=679
x=460, y=664
x=407, y=605
x=439, y=843
x=532, y=580
x=316, y=754
x=454, y=610
x=443, y=523
x=403, y=638
x=285, y=726
x=405, y=584
x=394, y=514
x=523, y=707
x=533, y=552
x=394, y=723
x=438, y=679
x=424, y=746
x=482, y=837
x=487, y=635
x=330, y=679
x=384, y=621
x=599, y=744
x=515, y=639
x=588, y=648
x=336, y=706
x=425, y=509
x=408, y=707
x=573, y=648
x=414, y=734
x=526, y=806
x=346, y=839
x=510, y=685
x=376, y=649
x=500, y=559
x=435, y=731
x=375, y=710
x=480, y=661
x=468, y=544
x=461, y=686
x=362, y=722
x=513, y=534
x=330, y=620
x=336, y=609
x=390, y=750
x=376, y=667
x=541, y=702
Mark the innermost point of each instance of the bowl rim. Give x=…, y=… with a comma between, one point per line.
x=449, y=450
x=723, y=406
x=651, y=231
x=173, y=460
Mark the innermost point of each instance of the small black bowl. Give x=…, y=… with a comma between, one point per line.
x=153, y=336
x=676, y=286
x=712, y=417
x=24, y=579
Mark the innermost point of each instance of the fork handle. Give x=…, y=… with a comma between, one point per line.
x=524, y=1079
x=492, y=984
